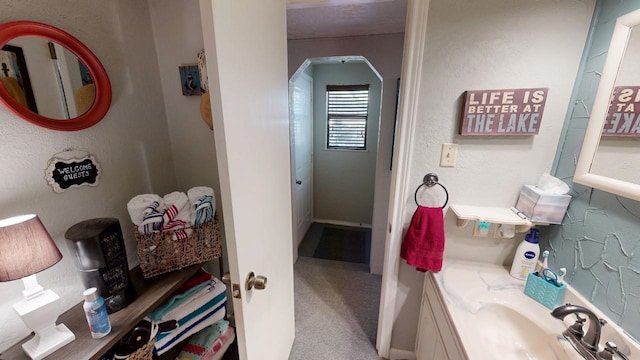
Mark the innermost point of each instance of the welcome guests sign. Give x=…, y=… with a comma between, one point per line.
x=503, y=112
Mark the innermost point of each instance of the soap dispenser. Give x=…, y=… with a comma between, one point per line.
x=526, y=256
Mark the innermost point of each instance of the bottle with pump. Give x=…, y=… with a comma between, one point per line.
x=96, y=313
x=526, y=256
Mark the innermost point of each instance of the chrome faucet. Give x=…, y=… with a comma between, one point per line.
x=591, y=338
x=585, y=343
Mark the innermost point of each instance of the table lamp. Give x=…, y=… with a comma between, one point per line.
x=25, y=249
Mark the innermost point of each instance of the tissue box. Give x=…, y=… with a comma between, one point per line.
x=545, y=292
x=541, y=207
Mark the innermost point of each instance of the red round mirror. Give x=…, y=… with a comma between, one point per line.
x=82, y=94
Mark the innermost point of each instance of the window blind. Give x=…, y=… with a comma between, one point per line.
x=347, y=110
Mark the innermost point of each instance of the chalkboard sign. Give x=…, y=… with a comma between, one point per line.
x=63, y=174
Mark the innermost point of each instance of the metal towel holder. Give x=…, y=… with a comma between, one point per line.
x=430, y=180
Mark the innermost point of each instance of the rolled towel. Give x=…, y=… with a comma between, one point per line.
x=153, y=220
x=203, y=204
x=177, y=215
x=139, y=203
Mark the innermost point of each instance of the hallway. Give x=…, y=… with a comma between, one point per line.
x=336, y=310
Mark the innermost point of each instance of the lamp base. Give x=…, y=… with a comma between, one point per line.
x=39, y=313
x=47, y=341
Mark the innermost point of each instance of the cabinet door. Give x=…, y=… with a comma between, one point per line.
x=429, y=343
x=437, y=337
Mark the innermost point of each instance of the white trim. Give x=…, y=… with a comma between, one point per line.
x=398, y=354
x=415, y=37
x=583, y=175
x=342, y=223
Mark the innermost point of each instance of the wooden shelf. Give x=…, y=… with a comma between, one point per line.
x=151, y=293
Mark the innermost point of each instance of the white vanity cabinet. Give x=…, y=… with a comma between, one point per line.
x=437, y=338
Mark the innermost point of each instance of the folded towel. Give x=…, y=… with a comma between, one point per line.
x=201, y=276
x=221, y=345
x=191, y=304
x=177, y=215
x=180, y=306
x=166, y=341
x=202, y=343
x=203, y=205
x=139, y=203
x=423, y=244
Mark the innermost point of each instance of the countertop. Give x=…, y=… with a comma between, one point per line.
x=495, y=319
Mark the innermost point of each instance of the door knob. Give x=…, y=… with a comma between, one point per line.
x=299, y=182
x=259, y=282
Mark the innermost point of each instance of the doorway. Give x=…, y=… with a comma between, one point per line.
x=334, y=157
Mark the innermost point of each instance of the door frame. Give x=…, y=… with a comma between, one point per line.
x=297, y=239
x=411, y=79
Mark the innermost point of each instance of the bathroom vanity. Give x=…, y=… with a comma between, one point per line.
x=477, y=311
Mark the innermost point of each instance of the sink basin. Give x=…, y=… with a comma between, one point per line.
x=509, y=332
x=494, y=319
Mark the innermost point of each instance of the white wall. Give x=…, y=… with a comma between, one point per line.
x=192, y=142
x=496, y=44
x=343, y=180
x=131, y=143
x=384, y=52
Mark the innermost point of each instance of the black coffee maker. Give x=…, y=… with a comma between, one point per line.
x=99, y=253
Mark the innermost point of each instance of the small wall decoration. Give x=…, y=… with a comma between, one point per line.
x=65, y=173
x=503, y=112
x=190, y=80
x=623, y=117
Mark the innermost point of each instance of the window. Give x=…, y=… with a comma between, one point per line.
x=347, y=109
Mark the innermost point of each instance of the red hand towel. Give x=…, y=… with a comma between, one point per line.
x=423, y=244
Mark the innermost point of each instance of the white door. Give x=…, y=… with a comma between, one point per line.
x=300, y=104
x=246, y=50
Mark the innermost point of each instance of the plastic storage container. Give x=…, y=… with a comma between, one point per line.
x=541, y=207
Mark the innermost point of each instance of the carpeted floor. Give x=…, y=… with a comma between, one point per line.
x=336, y=310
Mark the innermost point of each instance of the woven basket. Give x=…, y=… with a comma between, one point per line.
x=145, y=352
x=159, y=253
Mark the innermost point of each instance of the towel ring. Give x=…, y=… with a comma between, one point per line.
x=430, y=180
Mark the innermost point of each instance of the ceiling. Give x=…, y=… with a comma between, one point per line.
x=308, y=19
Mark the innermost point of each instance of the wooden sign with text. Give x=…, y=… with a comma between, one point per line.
x=62, y=174
x=623, y=117
x=503, y=112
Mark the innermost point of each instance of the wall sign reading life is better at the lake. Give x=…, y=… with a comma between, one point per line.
x=623, y=117
x=503, y=112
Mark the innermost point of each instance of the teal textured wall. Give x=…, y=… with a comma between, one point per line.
x=599, y=240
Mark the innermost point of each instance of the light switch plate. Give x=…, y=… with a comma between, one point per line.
x=449, y=155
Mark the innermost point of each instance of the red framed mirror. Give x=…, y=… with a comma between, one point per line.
x=74, y=108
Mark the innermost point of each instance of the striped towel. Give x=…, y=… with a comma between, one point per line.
x=203, y=206
x=203, y=210
x=152, y=219
x=177, y=215
x=209, y=343
x=203, y=317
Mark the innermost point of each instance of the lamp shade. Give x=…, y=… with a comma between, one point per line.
x=25, y=247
